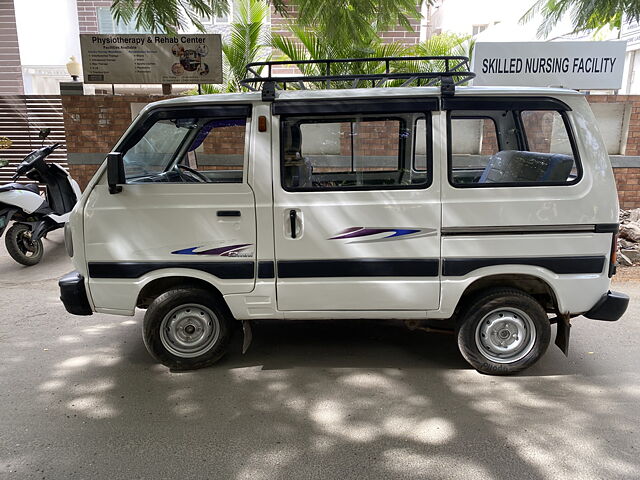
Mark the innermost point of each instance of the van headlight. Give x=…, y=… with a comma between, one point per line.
x=68, y=240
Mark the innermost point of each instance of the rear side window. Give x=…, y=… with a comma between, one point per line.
x=511, y=148
x=355, y=152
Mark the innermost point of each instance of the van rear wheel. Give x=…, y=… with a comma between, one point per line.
x=503, y=331
x=185, y=329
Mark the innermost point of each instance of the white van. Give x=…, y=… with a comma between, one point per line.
x=489, y=210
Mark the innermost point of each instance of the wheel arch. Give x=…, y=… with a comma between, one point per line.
x=535, y=286
x=156, y=287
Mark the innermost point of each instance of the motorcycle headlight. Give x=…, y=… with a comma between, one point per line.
x=68, y=240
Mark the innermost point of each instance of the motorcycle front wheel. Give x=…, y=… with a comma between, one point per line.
x=21, y=246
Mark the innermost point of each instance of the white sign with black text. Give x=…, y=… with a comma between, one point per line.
x=138, y=58
x=577, y=65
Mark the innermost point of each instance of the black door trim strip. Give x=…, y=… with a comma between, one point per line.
x=529, y=229
x=225, y=270
x=458, y=267
x=364, y=267
x=364, y=105
x=266, y=269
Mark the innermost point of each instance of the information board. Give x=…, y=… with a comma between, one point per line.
x=577, y=65
x=150, y=58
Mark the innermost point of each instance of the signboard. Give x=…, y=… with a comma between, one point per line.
x=150, y=58
x=577, y=65
x=630, y=31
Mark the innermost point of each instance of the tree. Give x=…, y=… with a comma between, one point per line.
x=338, y=17
x=306, y=44
x=584, y=14
x=248, y=42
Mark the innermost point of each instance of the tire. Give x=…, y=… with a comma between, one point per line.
x=21, y=248
x=503, y=331
x=187, y=329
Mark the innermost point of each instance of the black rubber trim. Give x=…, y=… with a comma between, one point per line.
x=224, y=270
x=457, y=267
x=337, y=107
x=464, y=102
x=523, y=230
x=607, y=228
x=74, y=294
x=266, y=269
x=610, y=307
x=366, y=267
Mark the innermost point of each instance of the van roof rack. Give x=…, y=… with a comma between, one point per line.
x=445, y=71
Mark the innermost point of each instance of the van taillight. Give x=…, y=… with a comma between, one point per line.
x=613, y=258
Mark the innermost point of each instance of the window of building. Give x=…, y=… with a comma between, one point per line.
x=502, y=148
x=221, y=19
x=355, y=152
x=476, y=29
x=107, y=24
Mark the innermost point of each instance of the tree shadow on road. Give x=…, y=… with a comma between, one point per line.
x=361, y=399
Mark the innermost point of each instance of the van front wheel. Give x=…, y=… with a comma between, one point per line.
x=503, y=331
x=185, y=329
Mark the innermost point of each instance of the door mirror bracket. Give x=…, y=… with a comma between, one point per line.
x=115, y=172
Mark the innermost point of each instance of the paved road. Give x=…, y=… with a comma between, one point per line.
x=81, y=398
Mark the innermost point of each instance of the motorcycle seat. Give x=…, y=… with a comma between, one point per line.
x=29, y=187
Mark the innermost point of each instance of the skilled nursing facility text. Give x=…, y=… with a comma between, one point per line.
x=549, y=65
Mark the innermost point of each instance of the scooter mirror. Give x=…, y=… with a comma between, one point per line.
x=4, y=163
x=115, y=172
x=44, y=133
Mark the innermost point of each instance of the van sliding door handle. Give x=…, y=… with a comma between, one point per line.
x=292, y=219
x=228, y=213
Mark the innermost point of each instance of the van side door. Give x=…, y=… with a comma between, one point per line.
x=356, y=206
x=186, y=208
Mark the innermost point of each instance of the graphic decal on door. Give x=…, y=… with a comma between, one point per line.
x=241, y=250
x=392, y=234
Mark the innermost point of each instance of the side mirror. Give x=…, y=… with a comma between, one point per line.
x=115, y=172
x=44, y=133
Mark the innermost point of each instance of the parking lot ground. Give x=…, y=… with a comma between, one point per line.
x=81, y=398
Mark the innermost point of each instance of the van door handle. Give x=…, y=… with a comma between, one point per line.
x=228, y=213
x=292, y=219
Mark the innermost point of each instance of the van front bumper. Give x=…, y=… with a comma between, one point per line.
x=74, y=295
x=610, y=307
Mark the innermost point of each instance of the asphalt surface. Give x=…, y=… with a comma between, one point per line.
x=81, y=398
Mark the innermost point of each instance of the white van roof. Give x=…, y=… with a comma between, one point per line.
x=255, y=97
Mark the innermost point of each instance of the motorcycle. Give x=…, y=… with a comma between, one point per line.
x=33, y=215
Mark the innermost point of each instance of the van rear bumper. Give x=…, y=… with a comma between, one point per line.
x=74, y=295
x=610, y=307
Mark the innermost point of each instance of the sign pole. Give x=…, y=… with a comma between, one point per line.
x=166, y=89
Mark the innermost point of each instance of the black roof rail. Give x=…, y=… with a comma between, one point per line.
x=443, y=71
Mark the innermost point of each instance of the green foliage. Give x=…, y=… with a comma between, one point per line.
x=170, y=16
x=356, y=20
x=248, y=42
x=359, y=19
x=309, y=44
x=584, y=14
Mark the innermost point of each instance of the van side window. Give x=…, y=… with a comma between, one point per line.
x=511, y=148
x=188, y=150
x=355, y=152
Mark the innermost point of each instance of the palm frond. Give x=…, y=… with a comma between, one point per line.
x=584, y=14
